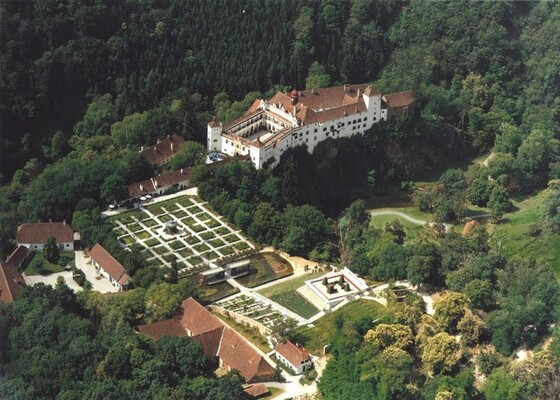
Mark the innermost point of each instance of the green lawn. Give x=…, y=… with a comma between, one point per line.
x=325, y=328
x=410, y=229
x=295, y=302
x=263, y=269
x=514, y=233
x=288, y=285
x=38, y=266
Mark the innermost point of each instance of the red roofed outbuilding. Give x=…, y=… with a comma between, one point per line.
x=34, y=236
x=221, y=344
x=295, y=357
x=109, y=267
x=11, y=281
x=163, y=151
x=401, y=104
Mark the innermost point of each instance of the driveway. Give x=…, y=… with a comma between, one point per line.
x=51, y=280
x=82, y=262
x=98, y=282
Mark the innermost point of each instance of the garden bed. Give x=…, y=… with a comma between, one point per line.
x=265, y=267
x=295, y=302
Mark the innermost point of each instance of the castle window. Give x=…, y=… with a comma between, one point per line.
x=365, y=119
x=325, y=129
x=315, y=130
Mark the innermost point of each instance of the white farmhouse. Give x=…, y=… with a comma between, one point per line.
x=109, y=267
x=34, y=236
x=293, y=356
x=270, y=127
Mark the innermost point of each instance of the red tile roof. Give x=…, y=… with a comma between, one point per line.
x=196, y=319
x=157, y=330
x=151, y=185
x=40, y=232
x=237, y=354
x=214, y=123
x=11, y=281
x=400, y=99
x=325, y=104
x=164, y=150
x=108, y=263
x=294, y=354
x=215, y=338
x=256, y=390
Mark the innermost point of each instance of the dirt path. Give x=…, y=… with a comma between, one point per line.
x=416, y=221
x=488, y=159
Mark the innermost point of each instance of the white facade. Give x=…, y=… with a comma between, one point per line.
x=298, y=369
x=105, y=275
x=64, y=246
x=284, y=130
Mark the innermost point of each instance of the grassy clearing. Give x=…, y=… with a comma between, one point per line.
x=295, y=302
x=326, y=327
x=410, y=229
x=288, y=285
x=514, y=232
x=212, y=293
x=39, y=266
x=412, y=212
x=265, y=267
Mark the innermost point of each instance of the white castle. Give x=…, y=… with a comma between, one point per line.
x=270, y=127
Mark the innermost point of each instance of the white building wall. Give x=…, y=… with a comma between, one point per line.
x=214, y=136
x=309, y=135
x=105, y=275
x=299, y=369
x=65, y=246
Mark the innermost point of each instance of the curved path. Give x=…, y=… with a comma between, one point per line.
x=374, y=213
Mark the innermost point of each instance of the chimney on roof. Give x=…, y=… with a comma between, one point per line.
x=154, y=182
x=182, y=171
x=141, y=148
x=172, y=147
x=312, y=91
x=64, y=221
x=158, y=140
x=168, y=136
x=141, y=187
x=346, y=87
x=50, y=220
x=360, y=91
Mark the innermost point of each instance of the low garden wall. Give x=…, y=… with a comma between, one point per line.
x=241, y=319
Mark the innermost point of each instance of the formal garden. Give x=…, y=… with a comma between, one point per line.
x=185, y=229
x=258, y=311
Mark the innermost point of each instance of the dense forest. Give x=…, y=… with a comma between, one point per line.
x=85, y=84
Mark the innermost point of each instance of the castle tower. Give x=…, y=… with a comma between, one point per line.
x=214, y=135
x=294, y=96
